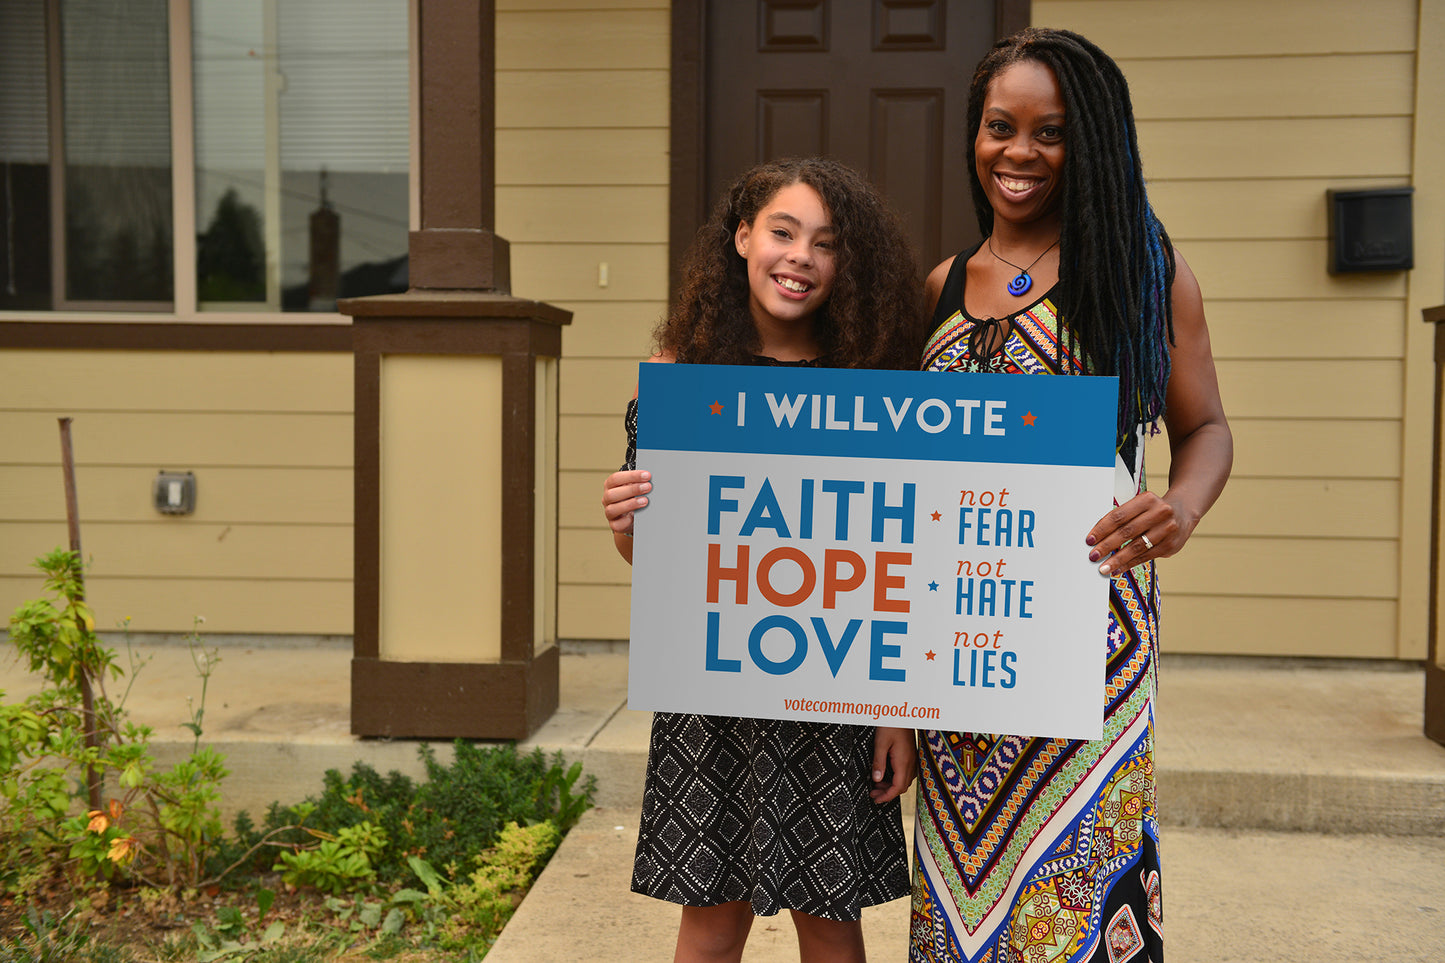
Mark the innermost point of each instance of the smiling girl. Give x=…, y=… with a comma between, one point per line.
x=801, y=264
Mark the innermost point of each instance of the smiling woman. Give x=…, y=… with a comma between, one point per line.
x=1025, y=841
x=1019, y=153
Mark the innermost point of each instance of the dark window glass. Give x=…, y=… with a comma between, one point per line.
x=25, y=282
x=119, y=226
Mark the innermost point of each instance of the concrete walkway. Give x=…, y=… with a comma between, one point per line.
x=1304, y=809
x=1305, y=818
x=1229, y=897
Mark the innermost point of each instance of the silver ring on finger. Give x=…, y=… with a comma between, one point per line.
x=1147, y=544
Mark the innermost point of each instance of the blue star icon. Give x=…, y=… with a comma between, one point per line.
x=933, y=586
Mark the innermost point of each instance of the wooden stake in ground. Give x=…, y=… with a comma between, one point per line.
x=72, y=520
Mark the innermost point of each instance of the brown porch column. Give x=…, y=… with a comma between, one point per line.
x=1435, y=664
x=456, y=440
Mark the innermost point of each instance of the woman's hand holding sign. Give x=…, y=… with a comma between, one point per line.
x=623, y=493
x=1144, y=527
x=1150, y=526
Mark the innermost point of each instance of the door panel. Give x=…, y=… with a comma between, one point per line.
x=881, y=85
x=906, y=159
x=790, y=122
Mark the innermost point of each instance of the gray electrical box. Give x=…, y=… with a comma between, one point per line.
x=175, y=492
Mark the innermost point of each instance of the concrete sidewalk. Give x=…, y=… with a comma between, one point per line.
x=1304, y=808
x=1279, y=781
x=1229, y=897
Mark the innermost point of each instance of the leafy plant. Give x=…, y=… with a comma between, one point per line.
x=384, y=918
x=56, y=636
x=341, y=863
x=475, y=831
x=155, y=826
x=230, y=938
x=450, y=818
x=478, y=908
x=559, y=785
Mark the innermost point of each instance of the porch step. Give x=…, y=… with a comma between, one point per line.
x=1271, y=744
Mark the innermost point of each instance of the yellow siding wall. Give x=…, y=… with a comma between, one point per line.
x=1247, y=113
x=1427, y=288
x=582, y=183
x=269, y=437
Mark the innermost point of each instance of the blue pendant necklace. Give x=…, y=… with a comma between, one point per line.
x=1020, y=285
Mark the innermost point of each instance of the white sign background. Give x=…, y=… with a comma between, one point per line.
x=871, y=560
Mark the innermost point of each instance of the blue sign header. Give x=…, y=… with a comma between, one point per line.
x=1018, y=419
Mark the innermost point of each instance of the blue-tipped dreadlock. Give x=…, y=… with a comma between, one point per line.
x=1116, y=264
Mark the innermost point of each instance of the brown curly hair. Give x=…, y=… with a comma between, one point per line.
x=874, y=315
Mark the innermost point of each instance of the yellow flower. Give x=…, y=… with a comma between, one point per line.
x=100, y=819
x=123, y=849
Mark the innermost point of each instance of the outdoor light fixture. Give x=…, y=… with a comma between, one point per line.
x=175, y=492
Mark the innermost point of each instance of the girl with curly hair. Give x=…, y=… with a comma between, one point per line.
x=800, y=264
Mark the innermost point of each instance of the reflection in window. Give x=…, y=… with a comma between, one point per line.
x=24, y=158
x=302, y=141
x=301, y=137
x=95, y=229
x=117, y=187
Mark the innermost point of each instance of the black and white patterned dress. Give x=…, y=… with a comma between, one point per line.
x=773, y=812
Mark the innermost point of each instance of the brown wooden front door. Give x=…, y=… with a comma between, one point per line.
x=878, y=84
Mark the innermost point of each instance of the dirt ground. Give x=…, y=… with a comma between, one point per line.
x=155, y=925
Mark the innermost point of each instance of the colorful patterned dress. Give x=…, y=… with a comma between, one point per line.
x=772, y=812
x=1033, y=849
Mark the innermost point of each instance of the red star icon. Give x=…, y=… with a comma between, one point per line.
x=930, y=655
x=1030, y=418
x=716, y=407
x=936, y=516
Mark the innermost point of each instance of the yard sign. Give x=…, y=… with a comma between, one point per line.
x=872, y=547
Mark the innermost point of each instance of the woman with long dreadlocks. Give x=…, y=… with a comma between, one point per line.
x=1035, y=848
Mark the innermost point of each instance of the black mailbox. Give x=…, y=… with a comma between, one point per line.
x=1371, y=230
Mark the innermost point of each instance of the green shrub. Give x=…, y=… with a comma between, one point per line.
x=476, y=831
x=476, y=909
x=340, y=864
x=449, y=819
